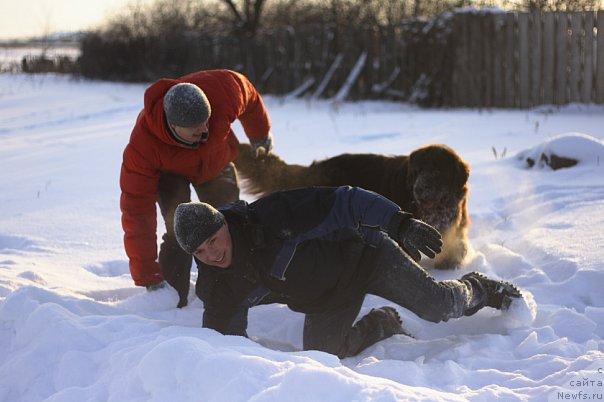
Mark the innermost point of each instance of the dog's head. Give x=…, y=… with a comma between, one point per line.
x=438, y=179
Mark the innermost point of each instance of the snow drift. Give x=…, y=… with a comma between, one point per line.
x=73, y=327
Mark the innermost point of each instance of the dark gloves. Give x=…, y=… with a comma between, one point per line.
x=263, y=146
x=414, y=236
x=156, y=286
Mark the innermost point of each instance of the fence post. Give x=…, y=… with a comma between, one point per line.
x=487, y=76
x=549, y=22
x=351, y=79
x=328, y=76
x=600, y=61
x=460, y=70
x=588, y=62
x=510, y=62
x=297, y=67
x=535, y=53
x=498, y=60
x=523, y=60
x=477, y=61
x=300, y=90
x=575, y=57
x=561, y=58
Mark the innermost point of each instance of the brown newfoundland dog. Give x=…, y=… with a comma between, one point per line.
x=431, y=183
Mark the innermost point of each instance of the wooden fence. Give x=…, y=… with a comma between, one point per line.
x=463, y=59
x=468, y=59
x=523, y=60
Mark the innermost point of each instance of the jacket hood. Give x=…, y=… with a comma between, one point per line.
x=154, y=109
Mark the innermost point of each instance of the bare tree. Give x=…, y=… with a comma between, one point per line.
x=246, y=16
x=246, y=22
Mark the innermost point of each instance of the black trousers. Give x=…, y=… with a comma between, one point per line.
x=173, y=190
x=396, y=278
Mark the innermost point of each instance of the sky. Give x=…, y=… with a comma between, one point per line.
x=26, y=18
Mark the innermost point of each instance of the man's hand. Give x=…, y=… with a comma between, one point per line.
x=414, y=236
x=156, y=286
x=262, y=147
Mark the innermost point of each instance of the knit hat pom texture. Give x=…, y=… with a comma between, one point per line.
x=194, y=223
x=186, y=105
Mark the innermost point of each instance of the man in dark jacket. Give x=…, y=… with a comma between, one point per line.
x=320, y=251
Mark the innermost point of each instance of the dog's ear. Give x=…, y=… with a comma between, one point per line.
x=417, y=159
x=416, y=156
x=411, y=167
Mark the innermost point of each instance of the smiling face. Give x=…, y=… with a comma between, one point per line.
x=217, y=250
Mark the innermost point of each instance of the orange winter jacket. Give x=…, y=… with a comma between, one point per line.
x=152, y=150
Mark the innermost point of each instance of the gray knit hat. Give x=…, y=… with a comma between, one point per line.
x=186, y=105
x=194, y=223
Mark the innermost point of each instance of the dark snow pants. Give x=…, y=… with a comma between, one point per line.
x=399, y=279
x=173, y=189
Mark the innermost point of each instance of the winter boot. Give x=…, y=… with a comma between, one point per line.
x=388, y=320
x=489, y=292
x=378, y=324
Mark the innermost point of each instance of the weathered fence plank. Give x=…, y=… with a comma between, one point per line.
x=298, y=60
x=351, y=79
x=498, y=60
x=381, y=87
x=488, y=49
x=468, y=92
x=328, y=76
x=574, y=77
x=463, y=72
x=456, y=73
x=600, y=59
x=588, y=61
x=548, y=58
x=523, y=61
x=536, y=61
x=300, y=90
x=510, y=62
x=476, y=61
x=561, y=58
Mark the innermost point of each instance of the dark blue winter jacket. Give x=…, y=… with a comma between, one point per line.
x=312, y=248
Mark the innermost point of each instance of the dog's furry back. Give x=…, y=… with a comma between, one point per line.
x=269, y=173
x=378, y=173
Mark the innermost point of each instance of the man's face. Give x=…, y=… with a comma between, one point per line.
x=193, y=135
x=216, y=250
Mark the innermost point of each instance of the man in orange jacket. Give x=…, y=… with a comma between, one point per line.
x=183, y=136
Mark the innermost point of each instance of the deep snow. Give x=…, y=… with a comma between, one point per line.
x=73, y=327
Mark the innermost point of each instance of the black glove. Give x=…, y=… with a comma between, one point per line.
x=156, y=286
x=414, y=236
x=263, y=146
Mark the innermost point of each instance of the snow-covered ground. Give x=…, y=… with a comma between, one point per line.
x=73, y=327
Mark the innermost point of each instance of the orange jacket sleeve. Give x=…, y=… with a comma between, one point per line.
x=138, y=182
x=239, y=100
x=252, y=112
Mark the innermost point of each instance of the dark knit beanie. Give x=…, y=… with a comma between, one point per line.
x=186, y=105
x=194, y=223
